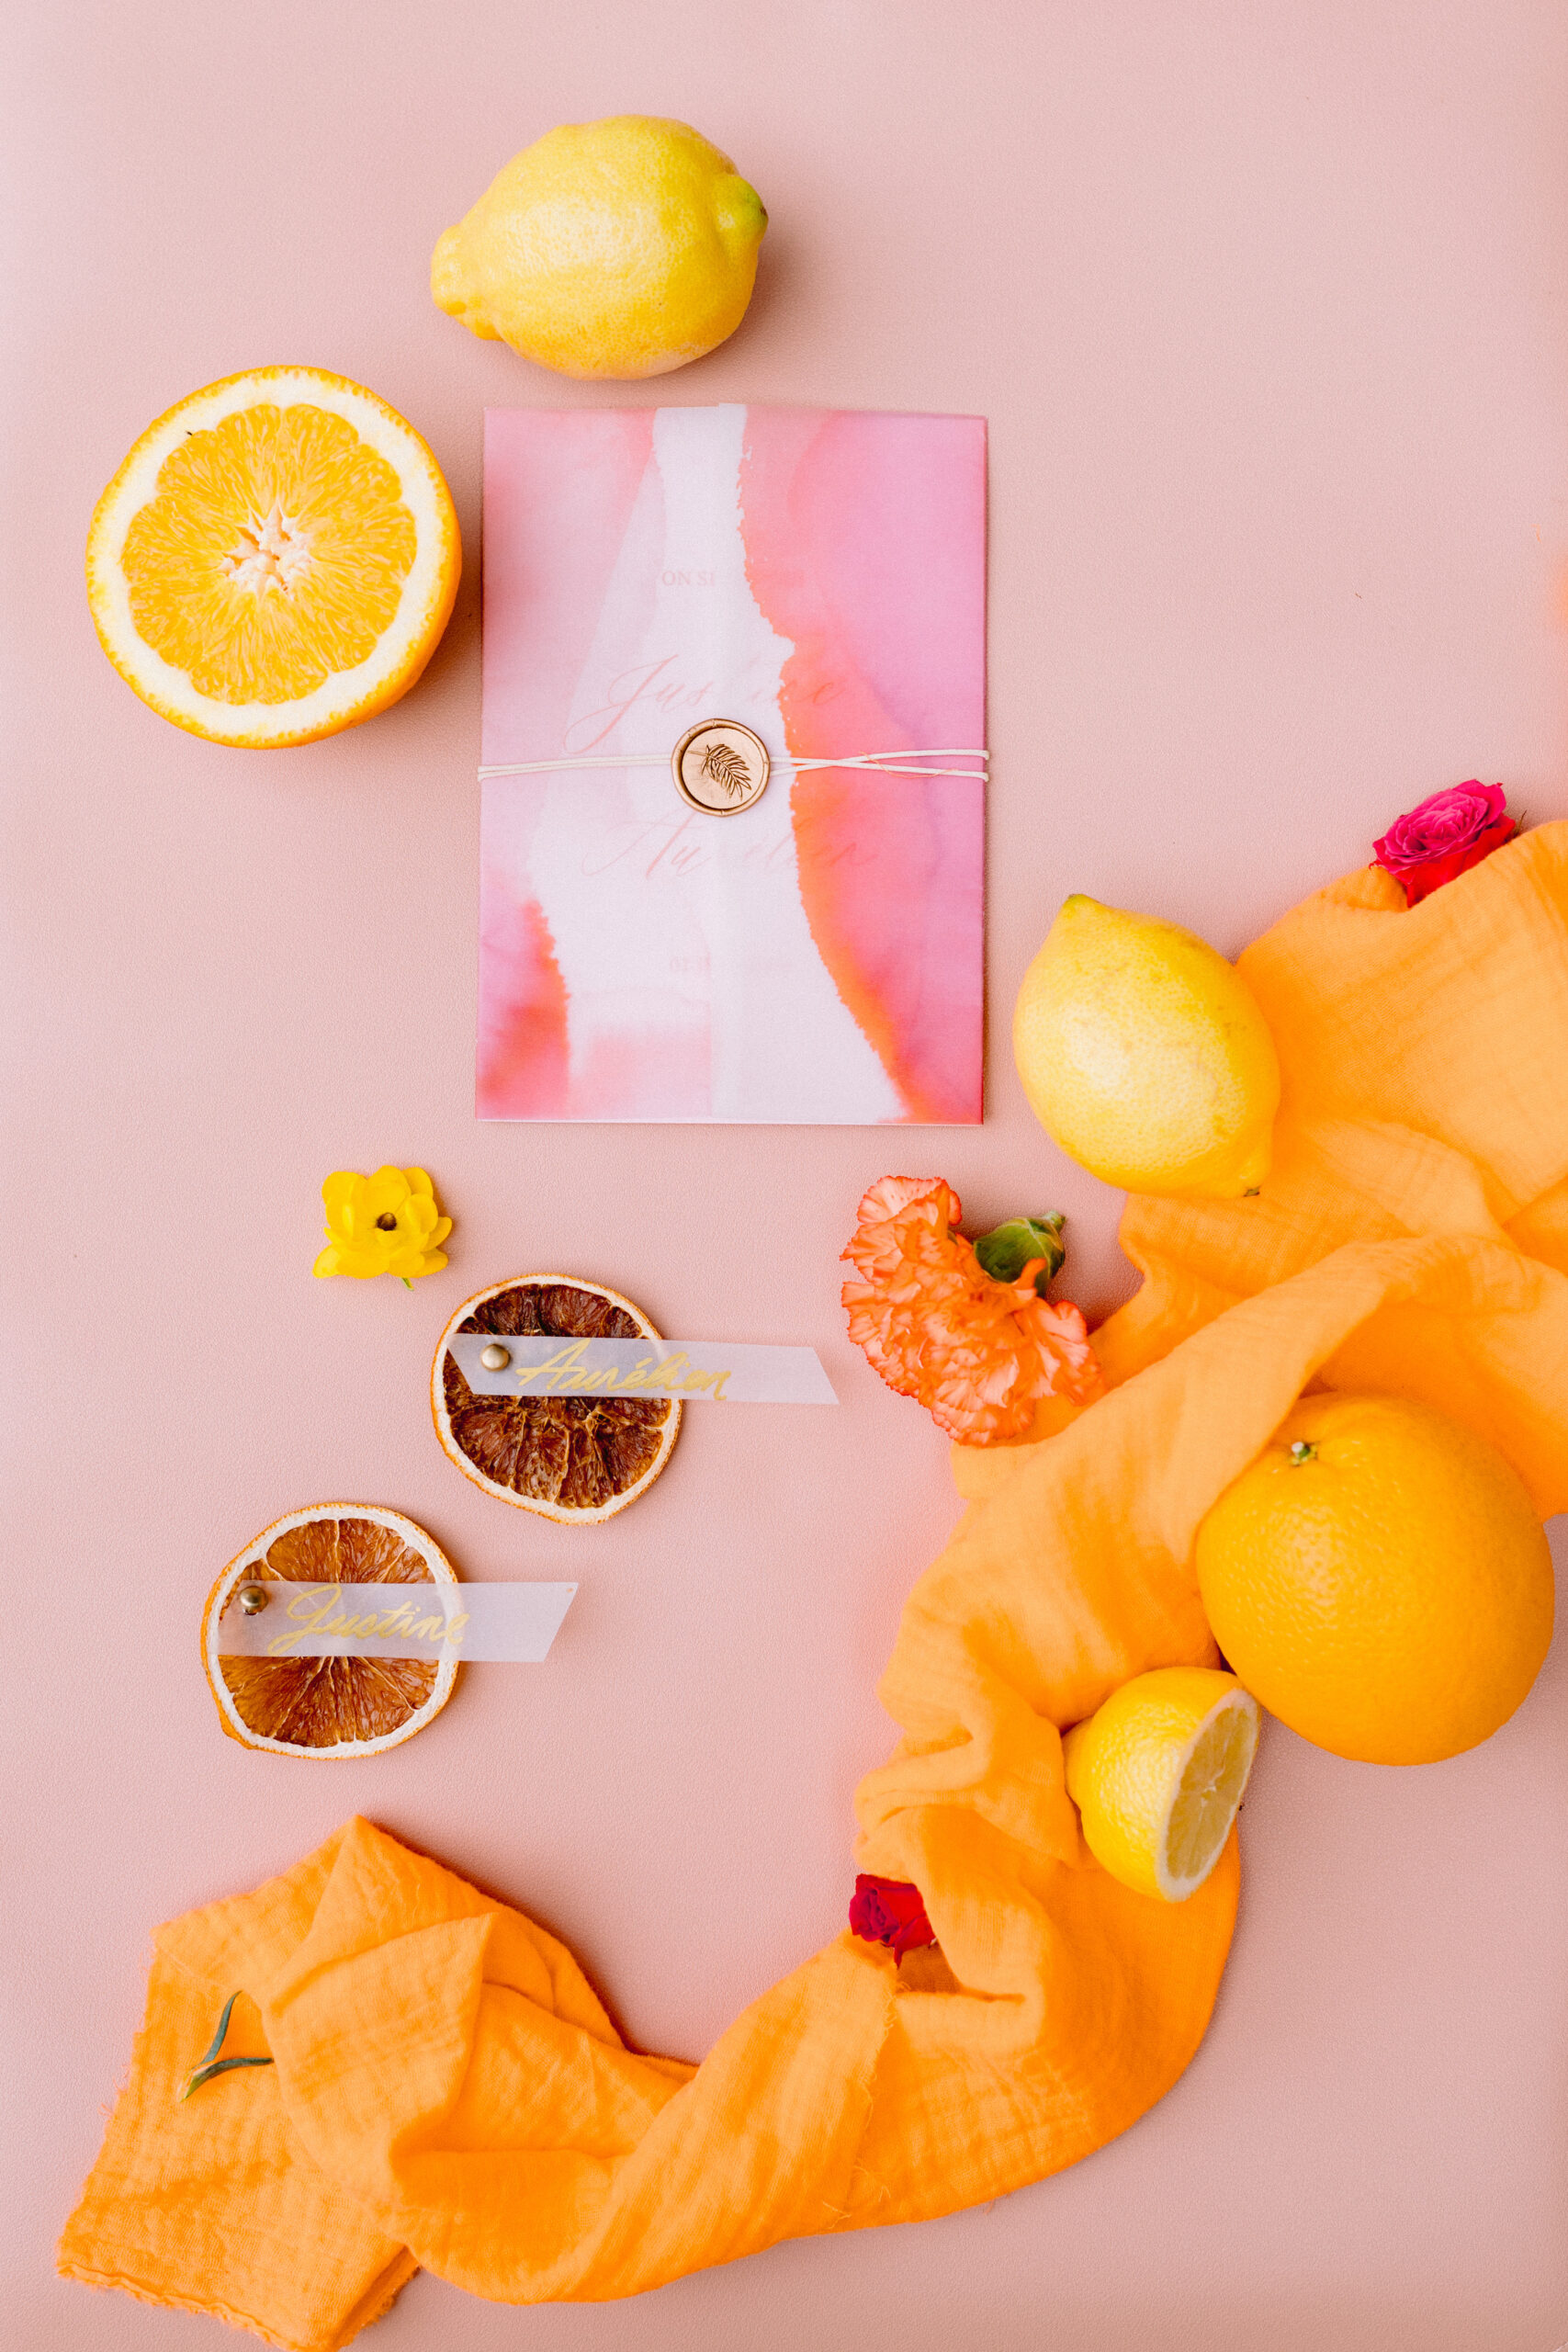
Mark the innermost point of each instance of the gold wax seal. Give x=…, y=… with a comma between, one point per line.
x=720, y=768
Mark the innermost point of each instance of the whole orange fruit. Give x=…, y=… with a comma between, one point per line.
x=1379, y=1580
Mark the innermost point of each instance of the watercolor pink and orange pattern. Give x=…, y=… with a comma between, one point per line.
x=819, y=576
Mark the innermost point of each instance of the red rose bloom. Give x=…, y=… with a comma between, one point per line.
x=1446, y=836
x=889, y=1911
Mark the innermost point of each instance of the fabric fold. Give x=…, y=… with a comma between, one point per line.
x=449, y=2091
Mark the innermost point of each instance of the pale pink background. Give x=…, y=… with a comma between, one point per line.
x=1268, y=305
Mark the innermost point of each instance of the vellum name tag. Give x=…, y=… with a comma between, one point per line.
x=505, y=1622
x=690, y=1369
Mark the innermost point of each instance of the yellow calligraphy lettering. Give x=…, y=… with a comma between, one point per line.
x=320, y=1613
x=308, y=1612
x=564, y=1362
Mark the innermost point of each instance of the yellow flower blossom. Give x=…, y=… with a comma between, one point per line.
x=385, y=1223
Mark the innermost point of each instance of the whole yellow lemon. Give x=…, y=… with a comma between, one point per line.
x=1144, y=1054
x=1378, y=1579
x=616, y=248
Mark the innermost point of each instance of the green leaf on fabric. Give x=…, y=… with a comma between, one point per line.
x=210, y=2063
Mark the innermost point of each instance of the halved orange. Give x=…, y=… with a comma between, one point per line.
x=575, y=1459
x=275, y=559
x=328, y=1707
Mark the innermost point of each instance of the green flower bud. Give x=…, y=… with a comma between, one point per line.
x=1005, y=1250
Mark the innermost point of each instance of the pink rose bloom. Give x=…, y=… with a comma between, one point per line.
x=1446, y=836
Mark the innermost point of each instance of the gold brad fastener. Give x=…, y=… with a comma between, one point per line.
x=495, y=1358
x=253, y=1599
x=720, y=768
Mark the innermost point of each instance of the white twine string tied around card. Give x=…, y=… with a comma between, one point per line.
x=722, y=768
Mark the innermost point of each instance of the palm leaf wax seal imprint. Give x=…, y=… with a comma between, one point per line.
x=720, y=768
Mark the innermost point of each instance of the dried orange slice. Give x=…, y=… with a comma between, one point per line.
x=576, y=1459
x=275, y=559
x=328, y=1707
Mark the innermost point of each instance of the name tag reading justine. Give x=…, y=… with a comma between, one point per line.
x=509, y=1624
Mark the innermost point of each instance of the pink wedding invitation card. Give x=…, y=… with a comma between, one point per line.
x=816, y=577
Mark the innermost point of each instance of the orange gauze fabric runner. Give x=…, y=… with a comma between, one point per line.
x=448, y=2092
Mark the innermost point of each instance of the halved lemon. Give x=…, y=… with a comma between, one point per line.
x=328, y=1707
x=1158, y=1775
x=576, y=1459
x=275, y=559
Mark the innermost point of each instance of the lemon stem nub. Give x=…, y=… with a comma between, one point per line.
x=1302, y=1451
x=1007, y=1250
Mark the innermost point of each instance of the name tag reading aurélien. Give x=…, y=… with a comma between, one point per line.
x=506, y=1623
x=689, y=1369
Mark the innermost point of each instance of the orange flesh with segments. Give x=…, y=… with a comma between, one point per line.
x=324, y=1702
x=275, y=559
x=273, y=555
x=577, y=1453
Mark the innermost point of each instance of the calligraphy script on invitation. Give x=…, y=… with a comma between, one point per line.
x=813, y=955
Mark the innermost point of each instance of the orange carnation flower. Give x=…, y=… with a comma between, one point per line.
x=978, y=1352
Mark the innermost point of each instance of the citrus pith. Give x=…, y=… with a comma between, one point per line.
x=275, y=561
